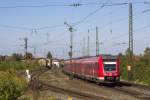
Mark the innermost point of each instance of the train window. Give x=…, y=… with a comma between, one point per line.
x=109, y=67
x=96, y=66
x=91, y=65
x=109, y=60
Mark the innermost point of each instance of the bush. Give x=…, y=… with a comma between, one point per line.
x=17, y=65
x=11, y=85
x=140, y=67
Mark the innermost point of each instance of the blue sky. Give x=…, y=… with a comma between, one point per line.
x=18, y=22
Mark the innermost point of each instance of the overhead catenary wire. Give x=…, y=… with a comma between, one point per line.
x=125, y=34
x=76, y=23
x=96, y=10
x=118, y=37
x=40, y=28
x=15, y=27
x=102, y=6
x=30, y=29
x=71, y=5
x=33, y=6
x=49, y=27
x=49, y=5
x=116, y=21
x=147, y=10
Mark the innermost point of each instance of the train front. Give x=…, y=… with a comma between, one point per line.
x=109, y=68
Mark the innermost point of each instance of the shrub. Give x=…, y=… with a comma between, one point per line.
x=18, y=65
x=11, y=85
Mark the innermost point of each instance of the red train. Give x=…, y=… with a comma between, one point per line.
x=103, y=68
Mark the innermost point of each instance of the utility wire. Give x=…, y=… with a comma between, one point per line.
x=125, y=34
x=98, y=9
x=77, y=23
x=90, y=14
x=49, y=27
x=34, y=6
x=147, y=10
x=115, y=21
x=15, y=27
x=103, y=5
x=33, y=30
x=71, y=5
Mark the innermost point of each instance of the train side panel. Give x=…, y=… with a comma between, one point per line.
x=96, y=69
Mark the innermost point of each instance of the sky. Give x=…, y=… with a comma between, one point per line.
x=42, y=22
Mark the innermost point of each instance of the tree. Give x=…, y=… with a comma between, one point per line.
x=147, y=52
x=127, y=52
x=17, y=56
x=146, y=56
x=29, y=55
x=120, y=54
x=49, y=55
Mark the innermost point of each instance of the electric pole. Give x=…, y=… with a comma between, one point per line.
x=83, y=46
x=130, y=42
x=97, y=42
x=71, y=39
x=26, y=47
x=130, y=31
x=47, y=37
x=88, y=44
x=70, y=28
x=34, y=50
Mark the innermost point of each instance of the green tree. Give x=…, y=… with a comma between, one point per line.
x=146, y=56
x=140, y=68
x=49, y=55
x=147, y=52
x=29, y=55
x=17, y=56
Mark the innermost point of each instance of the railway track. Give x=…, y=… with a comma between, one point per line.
x=143, y=92
x=137, y=90
x=81, y=95
x=134, y=90
x=35, y=77
x=36, y=85
x=134, y=93
x=140, y=86
x=124, y=88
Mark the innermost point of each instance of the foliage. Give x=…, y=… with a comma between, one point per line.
x=49, y=55
x=17, y=65
x=17, y=57
x=2, y=58
x=29, y=55
x=140, y=67
x=11, y=85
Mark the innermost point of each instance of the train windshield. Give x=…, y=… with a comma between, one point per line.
x=110, y=67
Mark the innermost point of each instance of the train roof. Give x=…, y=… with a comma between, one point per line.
x=104, y=56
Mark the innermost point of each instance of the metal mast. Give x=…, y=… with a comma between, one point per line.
x=130, y=31
x=88, y=44
x=130, y=62
x=71, y=39
x=26, y=47
x=97, y=42
x=84, y=47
